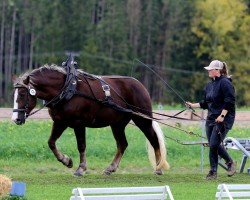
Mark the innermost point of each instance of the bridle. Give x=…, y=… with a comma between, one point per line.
x=53, y=102
x=26, y=106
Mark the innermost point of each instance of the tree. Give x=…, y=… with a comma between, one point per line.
x=224, y=32
x=175, y=37
x=1, y=49
x=179, y=49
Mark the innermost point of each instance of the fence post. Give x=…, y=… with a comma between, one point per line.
x=202, y=139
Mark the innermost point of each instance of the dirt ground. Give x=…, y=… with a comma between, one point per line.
x=242, y=117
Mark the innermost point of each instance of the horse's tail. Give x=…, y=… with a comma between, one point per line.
x=163, y=164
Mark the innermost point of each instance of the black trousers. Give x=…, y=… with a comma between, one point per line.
x=216, y=133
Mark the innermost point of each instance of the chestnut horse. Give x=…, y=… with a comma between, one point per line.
x=87, y=110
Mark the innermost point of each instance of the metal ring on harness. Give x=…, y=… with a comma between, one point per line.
x=106, y=90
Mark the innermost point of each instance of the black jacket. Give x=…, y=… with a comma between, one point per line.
x=219, y=94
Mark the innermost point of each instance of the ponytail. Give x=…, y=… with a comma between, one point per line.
x=224, y=70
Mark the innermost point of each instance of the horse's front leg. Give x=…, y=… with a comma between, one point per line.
x=56, y=132
x=81, y=145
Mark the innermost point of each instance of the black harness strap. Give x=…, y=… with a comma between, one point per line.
x=70, y=84
x=71, y=79
x=106, y=103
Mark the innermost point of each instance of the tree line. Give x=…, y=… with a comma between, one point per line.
x=175, y=38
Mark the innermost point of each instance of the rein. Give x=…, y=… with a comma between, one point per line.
x=66, y=93
x=70, y=80
x=119, y=108
x=169, y=86
x=69, y=89
x=19, y=85
x=157, y=113
x=158, y=120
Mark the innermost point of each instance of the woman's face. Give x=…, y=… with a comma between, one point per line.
x=213, y=73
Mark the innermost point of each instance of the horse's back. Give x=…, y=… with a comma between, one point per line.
x=127, y=84
x=132, y=90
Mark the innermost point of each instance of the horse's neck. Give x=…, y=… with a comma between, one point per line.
x=49, y=86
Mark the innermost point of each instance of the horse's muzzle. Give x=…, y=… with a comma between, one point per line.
x=19, y=121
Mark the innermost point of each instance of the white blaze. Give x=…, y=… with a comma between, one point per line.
x=15, y=114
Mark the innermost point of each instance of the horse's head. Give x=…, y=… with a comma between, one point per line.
x=43, y=83
x=24, y=101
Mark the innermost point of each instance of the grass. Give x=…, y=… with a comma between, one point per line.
x=58, y=186
x=25, y=156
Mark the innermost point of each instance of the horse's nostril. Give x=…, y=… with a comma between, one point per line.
x=19, y=122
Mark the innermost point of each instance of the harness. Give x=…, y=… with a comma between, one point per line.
x=69, y=90
x=105, y=88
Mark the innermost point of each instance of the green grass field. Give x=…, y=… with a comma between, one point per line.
x=25, y=156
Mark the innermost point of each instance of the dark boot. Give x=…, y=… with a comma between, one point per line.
x=211, y=175
x=231, y=168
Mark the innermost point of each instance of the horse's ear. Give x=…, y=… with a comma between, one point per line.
x=26, y=80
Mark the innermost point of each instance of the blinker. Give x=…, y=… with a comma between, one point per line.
x=32, y=91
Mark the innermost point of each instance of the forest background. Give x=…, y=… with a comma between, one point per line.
x=176, y=38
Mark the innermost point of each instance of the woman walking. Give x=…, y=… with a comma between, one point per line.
x=219, y=100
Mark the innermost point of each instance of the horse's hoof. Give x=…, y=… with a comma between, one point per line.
x=70, y=164
x=80, y=171
x=107, y=173
x=77, y=173
x=158, y=172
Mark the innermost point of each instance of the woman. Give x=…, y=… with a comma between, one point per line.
x=219, y=99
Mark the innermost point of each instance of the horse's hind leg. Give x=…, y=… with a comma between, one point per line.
x=57, y=130
x=121, y=142
x=146, y=127
x=81, y=145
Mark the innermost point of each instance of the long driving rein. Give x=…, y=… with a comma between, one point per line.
x=69, y=89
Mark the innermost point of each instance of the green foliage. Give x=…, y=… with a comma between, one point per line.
x=177, y=37
x=224, y=31
x=106, y=41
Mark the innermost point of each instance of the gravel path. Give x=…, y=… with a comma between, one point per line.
x=242, y=117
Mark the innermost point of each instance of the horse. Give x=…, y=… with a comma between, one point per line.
x=88, y=107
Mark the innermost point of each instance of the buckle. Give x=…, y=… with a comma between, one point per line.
x=106, y=89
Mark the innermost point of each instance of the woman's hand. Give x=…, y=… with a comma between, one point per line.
x=219, y=119
x=192, y=105
x=188, y=104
